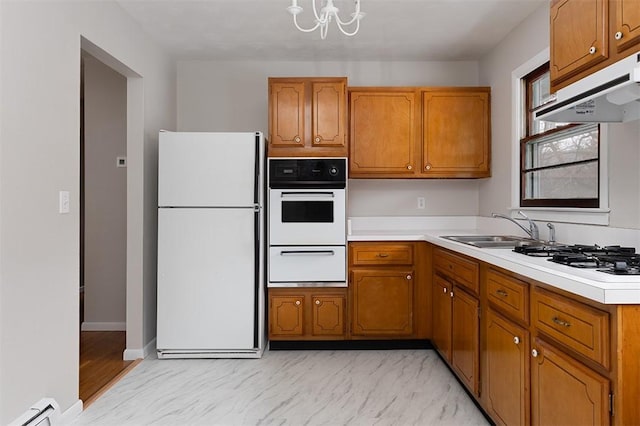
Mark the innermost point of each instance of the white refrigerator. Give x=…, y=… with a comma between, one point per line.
x=211, y=245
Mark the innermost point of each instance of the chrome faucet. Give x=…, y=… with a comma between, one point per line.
x=533, y=231
x=552, y=233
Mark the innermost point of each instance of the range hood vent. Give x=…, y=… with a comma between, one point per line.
x=609, y=95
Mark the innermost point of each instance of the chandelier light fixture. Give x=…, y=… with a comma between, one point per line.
x=328, y=13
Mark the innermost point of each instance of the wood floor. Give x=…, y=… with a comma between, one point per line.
x=100, y=362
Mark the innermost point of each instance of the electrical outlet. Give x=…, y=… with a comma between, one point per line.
x=63, y=202
x=421, y=203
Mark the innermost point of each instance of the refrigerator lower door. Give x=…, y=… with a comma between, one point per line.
x=207, y=285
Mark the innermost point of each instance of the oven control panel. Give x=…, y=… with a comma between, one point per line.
x=308, y=173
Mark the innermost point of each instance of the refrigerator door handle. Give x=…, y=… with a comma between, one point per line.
x=307, y=253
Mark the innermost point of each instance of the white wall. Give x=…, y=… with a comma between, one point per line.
x=521, y=45
x=39, y=155
x=105, y=197
x=232, y=96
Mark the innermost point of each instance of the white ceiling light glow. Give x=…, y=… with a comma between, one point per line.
x=328, y=13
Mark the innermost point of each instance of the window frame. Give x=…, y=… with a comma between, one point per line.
x=525, y=138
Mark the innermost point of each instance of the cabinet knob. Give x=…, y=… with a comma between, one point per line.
x=409, y=167
x=297, y=303
x=618, y=35
x=534, y=353
x=516, y=340
x=592, y=50
x=297, y=139
x=318, y=139
x=409, y=276
x=444, y=290
x=318, y=302
x=451, y=294
x=427, y=167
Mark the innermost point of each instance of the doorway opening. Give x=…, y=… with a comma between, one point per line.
x=103, y=226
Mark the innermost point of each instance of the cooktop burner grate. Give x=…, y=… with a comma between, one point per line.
x=613, y=259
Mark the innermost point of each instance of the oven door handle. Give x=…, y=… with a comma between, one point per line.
x=307, y=253
x=307, y=195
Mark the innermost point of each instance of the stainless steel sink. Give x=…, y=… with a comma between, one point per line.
x=490, y=241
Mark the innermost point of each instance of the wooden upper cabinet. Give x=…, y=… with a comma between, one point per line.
x=456, y=133
x=307, y=117
x=383, y=129
x=579, y=36
x=626, y=32
x=329, y=114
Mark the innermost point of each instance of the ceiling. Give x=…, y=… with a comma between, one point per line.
x=392, y=30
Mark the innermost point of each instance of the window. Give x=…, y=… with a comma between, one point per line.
x=559, y=162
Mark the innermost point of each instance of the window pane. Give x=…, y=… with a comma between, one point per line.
x=576, y=144
x=579, y=181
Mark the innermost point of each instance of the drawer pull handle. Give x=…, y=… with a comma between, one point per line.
x=383, y=254
x=561, y=322
x=502, y=293
x=516, y=340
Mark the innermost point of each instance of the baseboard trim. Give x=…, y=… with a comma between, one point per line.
x=71, y=413
x=132, y=354
x=103, y=326
x=275, y=345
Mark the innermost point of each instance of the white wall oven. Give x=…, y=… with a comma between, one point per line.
x=307, y=222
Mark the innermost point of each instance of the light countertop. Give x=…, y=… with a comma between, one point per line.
x=597, y=286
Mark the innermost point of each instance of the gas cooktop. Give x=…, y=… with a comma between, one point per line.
x=614, y=260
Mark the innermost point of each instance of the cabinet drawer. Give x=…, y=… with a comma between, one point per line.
x=580, y=327
x=509, y=295
x=381, y=254
x=463, y=271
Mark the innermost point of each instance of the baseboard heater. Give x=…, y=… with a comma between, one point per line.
x=45, y=412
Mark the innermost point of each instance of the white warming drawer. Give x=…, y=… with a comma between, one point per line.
x=293, y=264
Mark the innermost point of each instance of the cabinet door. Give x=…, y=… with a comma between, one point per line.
x=286, y=315
x=506, y=379
x=286, y=114
x=383, y=133
x=465, y=343
x=328, y=116
x=456, y=133
x=382, y=302
x=327, y=315
x=627, y=30
x=441, y=336
x=579, y=36
x=565, y=391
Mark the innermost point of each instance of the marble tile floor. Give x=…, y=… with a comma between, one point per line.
x=374, y=387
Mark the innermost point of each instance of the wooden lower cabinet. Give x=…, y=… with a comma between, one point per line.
x=564, y=391
x=465, y=339
x=506, y=375
x=382, y=302
x=307, y=313
x=441, y=336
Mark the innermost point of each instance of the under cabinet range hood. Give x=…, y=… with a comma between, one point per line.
x=609, y=95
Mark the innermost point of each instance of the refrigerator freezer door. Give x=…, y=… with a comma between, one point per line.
x=207, y=169
x=206, y=279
